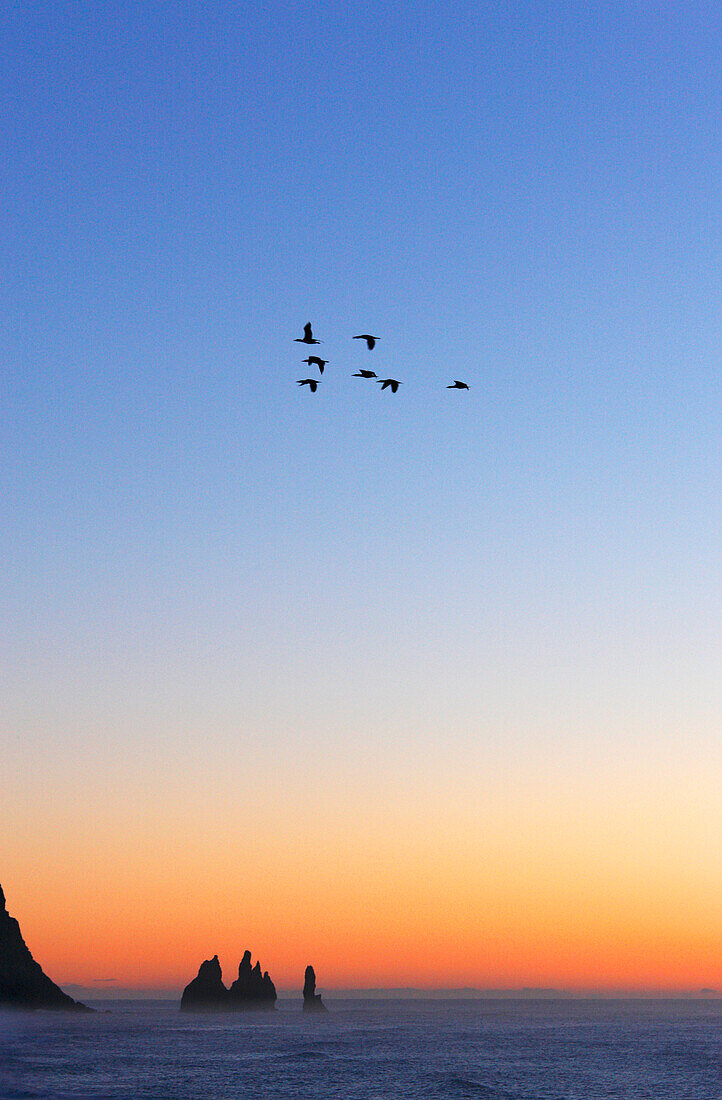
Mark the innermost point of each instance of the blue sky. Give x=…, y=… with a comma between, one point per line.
x=524, y=196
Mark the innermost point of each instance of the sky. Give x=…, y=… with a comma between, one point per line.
x=423, y=688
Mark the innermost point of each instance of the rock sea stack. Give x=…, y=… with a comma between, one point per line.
x=311, y=999
x=251, y=990
x=206, y=991
x=23, y=983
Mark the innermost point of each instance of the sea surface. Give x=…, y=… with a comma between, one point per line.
x=494, y=1049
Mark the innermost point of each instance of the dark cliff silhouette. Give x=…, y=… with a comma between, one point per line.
x=252, y=989
x=311, y=999
x=23, y=983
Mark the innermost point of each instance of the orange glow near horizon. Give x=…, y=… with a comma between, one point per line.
x=530, y=891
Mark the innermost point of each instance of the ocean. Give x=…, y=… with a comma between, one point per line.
x=493, y=1049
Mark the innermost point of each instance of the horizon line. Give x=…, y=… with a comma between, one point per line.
x=143, y=993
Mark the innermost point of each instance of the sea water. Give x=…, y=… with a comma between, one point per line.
x=494, y=1049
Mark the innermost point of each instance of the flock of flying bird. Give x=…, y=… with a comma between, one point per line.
x=316, y=361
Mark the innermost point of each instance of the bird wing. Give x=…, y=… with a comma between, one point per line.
x=307, y=331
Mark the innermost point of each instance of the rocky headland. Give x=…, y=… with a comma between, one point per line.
x=252, y=989
x=23, y=983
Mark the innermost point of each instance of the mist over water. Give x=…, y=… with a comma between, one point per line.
x=364, y=1049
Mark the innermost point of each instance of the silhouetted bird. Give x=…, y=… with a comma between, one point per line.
x=315, y=361
x=307, y=337
x=458, y=385
x=370, y=340
x=365, y=374
x=392, y=382
x=312, y=382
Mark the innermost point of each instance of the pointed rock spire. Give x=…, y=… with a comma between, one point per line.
x=252, y=988
x=311, y=999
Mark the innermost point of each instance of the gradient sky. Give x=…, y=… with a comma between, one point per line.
x=422, y=688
